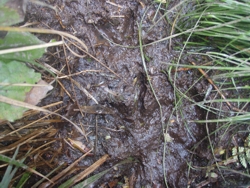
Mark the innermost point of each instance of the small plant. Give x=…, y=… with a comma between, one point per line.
x=241, y=153
x=14, y=74
x=16, y=79
x=219, y=31
x=223, y=24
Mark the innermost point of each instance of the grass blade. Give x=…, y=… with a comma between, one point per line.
x=94, y=178
x=23, y=179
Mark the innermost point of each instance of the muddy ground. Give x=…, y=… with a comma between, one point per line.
x=134, y=122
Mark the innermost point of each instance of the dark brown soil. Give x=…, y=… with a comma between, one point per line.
x=135, y=127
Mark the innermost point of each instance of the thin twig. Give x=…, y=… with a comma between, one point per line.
x=96, y=134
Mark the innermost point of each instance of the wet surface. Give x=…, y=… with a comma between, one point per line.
x=132, y=117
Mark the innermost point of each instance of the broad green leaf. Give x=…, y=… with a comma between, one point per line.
x=21, y=39
x=15, y=72
x=11, y=12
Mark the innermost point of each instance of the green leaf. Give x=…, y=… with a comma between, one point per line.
x=21, y=39
x=15, y=72
x=11, y=12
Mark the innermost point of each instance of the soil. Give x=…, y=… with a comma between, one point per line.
x=127, y=111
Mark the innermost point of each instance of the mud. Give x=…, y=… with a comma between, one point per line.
x=134, y=126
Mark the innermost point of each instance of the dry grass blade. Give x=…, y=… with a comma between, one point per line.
x=73, y=81
x=34, y=154
x=97, y=61
x=43, y=4
x=64, y=172
x=54, y=170
x=20, y=164
x=42, y=146
x=83, y=90
x=78, y=145
x=45, y=31
x=172, y=31
x=77, y=73
x=26, y=141
x=26, y=105
x=33, y=112
x=27, y=125
x=91, y=168
x=114, y=4
x=96, y=109
x=26, y=48
x=12, y=128
x=86, y=172
x=217, y=89
x=22, y=141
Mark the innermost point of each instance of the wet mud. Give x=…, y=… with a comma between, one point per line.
x=127, y=111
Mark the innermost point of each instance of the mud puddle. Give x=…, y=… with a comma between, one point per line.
x=131, y=125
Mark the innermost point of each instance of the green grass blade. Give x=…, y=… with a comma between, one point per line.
x=87, y=182
x=54, y=170
x=8, y=175
x=90, y=180
x=23, y=179
x=19, y=164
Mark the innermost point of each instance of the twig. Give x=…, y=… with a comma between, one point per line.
x=96, y=134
